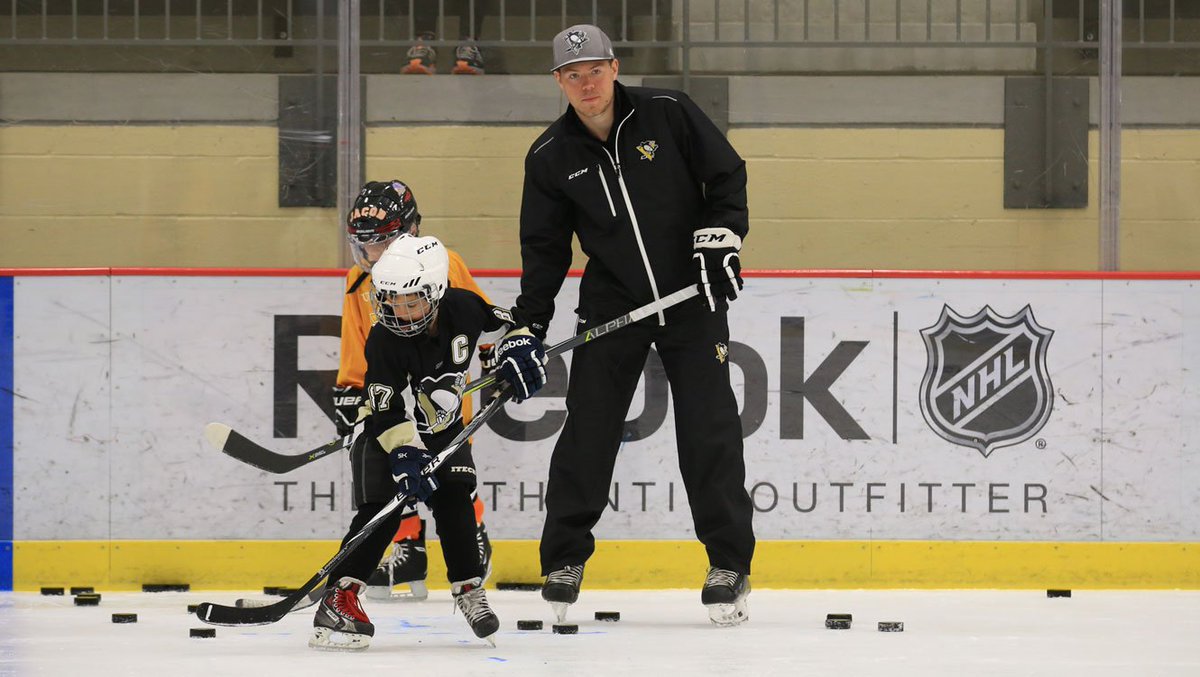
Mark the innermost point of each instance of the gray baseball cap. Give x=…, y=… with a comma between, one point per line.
x=581, y=42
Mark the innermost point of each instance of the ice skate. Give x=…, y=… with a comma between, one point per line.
x=561, y=589
x=472, y=601
x=406, y=566
x=725, y=595
x=340, y=623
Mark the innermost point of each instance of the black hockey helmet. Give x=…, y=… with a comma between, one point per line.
x=383, y=211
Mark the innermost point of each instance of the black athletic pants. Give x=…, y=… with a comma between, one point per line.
x=604, y=375
x=452, y=507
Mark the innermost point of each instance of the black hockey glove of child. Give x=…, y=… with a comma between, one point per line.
x=718, y=266
x=521, y=361
x=407, y=463
x=346, y=401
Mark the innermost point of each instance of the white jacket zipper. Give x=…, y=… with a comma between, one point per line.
x=612, y=209
x=637, y=231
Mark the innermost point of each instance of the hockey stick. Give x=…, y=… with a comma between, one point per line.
x=219, y=614
x=247, y=451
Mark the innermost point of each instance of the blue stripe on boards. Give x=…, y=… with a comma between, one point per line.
x=6, y=433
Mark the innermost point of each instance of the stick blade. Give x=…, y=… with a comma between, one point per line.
x=217, y=434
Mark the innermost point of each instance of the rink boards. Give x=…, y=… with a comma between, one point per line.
x=901, y=430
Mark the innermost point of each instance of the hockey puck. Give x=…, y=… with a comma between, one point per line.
x=203, y=633
x=891, y=626
x=165, y=587
x=81, y=590
x=87, y=599
x=849, y=618
x=124, y=618
x=1058, y=593
x=608, y=615
x=836, y=624
x=565, y=629
x=529, y=625
x=192, y=608
x=526, y=587
x=52, y=591
x=270, y=590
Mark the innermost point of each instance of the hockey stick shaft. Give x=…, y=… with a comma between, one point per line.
x=599, y=330
x=219, y=614
x=247, y=451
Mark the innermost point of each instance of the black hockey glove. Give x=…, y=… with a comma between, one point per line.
x=521, y=361
x=346, y=401
x=407, y=463
x=718, y=266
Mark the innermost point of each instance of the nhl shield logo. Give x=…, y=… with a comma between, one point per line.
x=986, y=384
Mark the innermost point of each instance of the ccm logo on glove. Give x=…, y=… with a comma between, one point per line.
x=717, y=265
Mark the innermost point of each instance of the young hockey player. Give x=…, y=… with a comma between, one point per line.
x=417, y=359
x=383, y=211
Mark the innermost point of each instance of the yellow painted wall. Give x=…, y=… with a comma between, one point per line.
x=243, y=565
x=206, y=196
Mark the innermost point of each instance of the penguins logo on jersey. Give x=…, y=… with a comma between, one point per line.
x=648, y=148
x=722, y=352
x=439, y=401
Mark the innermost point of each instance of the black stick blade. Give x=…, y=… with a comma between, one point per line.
x=219, y=614
x=247, y=451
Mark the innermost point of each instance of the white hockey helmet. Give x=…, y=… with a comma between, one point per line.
x=409, y=280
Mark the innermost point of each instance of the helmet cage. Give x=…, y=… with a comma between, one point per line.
x=387, y=303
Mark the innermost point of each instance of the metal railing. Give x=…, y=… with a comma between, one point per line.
x=681, y=29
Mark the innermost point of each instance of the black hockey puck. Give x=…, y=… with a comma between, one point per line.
x=840, y=617
x=529, y=625
x=165, y=587
x=270, y=590
x=124, y=618
x=203, y=633
x=1058, y=593
x=52, y=591
x=565, y=628
x=192, y=608
x=82, y=589
x=836, y=624
x=608, y=615
x=87, y=599
x=891, y=626
x=526, y=587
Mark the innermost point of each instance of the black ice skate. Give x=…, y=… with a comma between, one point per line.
x=472, y=602
x=407, y=565
x=561, y=589
x=340, y=623
x=725, y=595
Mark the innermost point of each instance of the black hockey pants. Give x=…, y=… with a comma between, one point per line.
x=604, y=374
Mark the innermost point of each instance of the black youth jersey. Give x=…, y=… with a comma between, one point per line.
x=421, y=378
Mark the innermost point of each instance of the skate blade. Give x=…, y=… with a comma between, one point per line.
x=728, y=615
x=560, y=610
x=324, y=639
x=490, y=639
x=417, y=592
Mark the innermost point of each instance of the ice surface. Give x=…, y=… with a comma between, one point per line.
x=661, y=633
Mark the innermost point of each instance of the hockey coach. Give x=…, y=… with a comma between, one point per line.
x=657, y=197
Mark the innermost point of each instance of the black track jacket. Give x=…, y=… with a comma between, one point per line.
x=634, y=202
